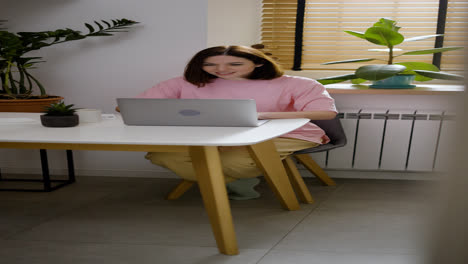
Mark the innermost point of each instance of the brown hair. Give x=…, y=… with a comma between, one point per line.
x=197, y=76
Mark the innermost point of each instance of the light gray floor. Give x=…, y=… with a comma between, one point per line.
x=126, y=220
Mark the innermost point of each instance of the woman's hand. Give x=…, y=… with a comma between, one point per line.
x=315, y=115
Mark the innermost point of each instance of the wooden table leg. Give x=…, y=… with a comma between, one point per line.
x=207, y=166
x=268, y=160
x=297, y=182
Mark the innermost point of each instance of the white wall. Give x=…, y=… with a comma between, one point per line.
x=234, y=22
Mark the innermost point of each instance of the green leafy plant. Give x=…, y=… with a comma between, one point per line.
x=385, y=33
x=60, y=109
x=16, y=80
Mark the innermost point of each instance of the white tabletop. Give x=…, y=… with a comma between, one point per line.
x=26, y=127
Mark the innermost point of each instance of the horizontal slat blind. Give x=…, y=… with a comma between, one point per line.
x=324, y=39
x=278, y=29
x=455, y=30
x=326, y=21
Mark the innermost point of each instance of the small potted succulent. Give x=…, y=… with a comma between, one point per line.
x=59, y=115
x=387, y=74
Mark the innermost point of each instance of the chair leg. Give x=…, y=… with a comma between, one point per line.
x=179, y=190
x=313, y=167
x=297, y=182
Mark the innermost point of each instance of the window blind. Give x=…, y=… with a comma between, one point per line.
x=278, y=29
x=324, y=38
x=456, y=27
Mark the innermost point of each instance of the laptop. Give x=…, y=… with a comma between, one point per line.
x=189, y=112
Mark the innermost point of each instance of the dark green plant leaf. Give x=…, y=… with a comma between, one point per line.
x=383, y=36
x=430, y=51
x=118, y=25
x=356, y=34
x=90, y=28
x=336, y=79
x=74, y=37
x=440, y=75
x=348, y=61
x=411, y=66
x=378, y=72
x=107, y=23
x=325, y=82
x=99, y=34
x=59, y=109
x=116, y=30
x=99, y=25
x=358, y=81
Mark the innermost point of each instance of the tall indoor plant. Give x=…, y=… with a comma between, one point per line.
x=385, y=33
x=16, y=80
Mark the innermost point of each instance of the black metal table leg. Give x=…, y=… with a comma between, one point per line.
x=46, y=179
x=71, y=166
x=45, y=170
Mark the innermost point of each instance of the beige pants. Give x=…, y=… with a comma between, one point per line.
x=236, y=161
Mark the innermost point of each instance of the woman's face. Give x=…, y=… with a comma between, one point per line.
x=229, y=67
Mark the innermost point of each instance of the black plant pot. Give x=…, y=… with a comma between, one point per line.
x=59, y=121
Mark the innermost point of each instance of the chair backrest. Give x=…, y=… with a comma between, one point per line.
x=334, y=130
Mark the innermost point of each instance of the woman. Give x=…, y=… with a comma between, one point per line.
x=240, y=72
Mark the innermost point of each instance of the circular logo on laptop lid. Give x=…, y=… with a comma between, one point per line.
x=189, y=112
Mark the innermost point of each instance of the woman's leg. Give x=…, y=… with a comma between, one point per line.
x=181, y=164
x=239, y=168
x=238, y=164
x=178, y=162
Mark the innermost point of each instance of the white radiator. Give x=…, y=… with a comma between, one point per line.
x=392, y=140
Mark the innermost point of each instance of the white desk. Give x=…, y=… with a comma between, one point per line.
x=24, y=131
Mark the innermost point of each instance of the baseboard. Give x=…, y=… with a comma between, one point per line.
x=162, y=173
x=379, y=174
x=79, y=172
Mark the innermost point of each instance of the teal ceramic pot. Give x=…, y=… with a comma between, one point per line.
x=402, y=81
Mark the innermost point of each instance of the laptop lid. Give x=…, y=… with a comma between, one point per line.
x=189, y=112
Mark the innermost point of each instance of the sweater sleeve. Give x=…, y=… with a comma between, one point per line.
x=310, y=95
x=167, y=89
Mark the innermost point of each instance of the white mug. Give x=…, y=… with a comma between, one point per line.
x=89, y=115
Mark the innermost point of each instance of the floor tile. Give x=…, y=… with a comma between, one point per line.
x=23, y=210
x=132, y=224
x=389, y=190
x=162, y=225
x=364, y=226
x=31, y=252
x=302, y=257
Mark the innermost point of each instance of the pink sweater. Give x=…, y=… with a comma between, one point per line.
x=283, y=94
